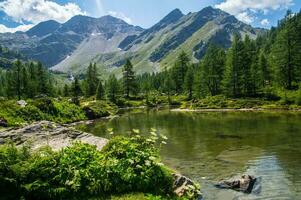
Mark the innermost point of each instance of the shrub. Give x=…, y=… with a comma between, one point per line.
x=98, y=109
x=80, y=171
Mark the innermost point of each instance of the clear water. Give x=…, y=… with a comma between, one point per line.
x=209, y=147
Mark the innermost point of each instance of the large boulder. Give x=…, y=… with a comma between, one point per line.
x=44, y=133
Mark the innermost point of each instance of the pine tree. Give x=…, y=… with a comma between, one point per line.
x=112, y=88
x=129, y=82
x=17, y=81
x=179, y=71
x=233, y=80
x=188, y=83
x=25, y=82
x=285, y=54
x=248, y=53
x=91, y=80
x=212, y=70
x=66, y=91
x=100, y=93
x=42, y=79
x=76, y=91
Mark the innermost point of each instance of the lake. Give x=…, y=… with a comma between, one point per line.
x=208, y=147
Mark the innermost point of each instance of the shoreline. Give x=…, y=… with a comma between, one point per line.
x=234, y=110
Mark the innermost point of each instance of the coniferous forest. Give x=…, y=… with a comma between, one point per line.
x=267, y=67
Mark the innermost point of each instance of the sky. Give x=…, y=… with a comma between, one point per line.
x=21, y=15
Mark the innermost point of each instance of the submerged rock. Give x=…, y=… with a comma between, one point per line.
x=184, y=186
x=44, y=133
x=244, y=184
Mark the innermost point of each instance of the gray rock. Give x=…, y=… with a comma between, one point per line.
x=184, y=186
x=244, y=184
x=44, y=133
x=22, y=103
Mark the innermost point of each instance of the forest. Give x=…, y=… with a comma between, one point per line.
x=267, y=67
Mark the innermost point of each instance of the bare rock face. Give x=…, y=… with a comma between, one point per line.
x=44, y=133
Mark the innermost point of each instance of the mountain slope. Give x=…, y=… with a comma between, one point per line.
x=51, y=42
x=108, y=40
x=155, y=48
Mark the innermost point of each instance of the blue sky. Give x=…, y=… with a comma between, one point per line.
x=21, y=15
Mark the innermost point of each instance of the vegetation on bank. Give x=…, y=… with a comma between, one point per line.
x=123, y=166
x=61, y=110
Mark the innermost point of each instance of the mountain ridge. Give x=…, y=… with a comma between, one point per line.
x=108, y=40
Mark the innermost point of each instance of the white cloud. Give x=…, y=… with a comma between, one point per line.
x=245, y=17
x=4, y=29
x=242, y=9
x=265, y=22
x=36, y=11
x=121, y=16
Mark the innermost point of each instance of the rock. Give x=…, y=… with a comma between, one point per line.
x=3, y=123
x=184, y=186
x=44, y=133
x=244, y=184
x=22, y=103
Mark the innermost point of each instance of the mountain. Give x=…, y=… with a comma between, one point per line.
x=51, y=42
x=108, y=40
x=156, y=47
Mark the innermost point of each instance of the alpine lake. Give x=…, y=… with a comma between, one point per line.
x=211, y=146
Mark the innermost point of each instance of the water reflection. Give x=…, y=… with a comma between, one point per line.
x=212, y=146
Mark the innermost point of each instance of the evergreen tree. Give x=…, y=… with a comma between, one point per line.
x=17, y=81
x=248, y=54
x=66, y=91
x=264, y=68
x=76, y=91
x=179, y=71
x=129, y=83
x=188, y=83
x=25, y=82
x=92, y=80
x=233, y=80
x=112, y=88
x=285, y=54
x=100, y=93
x=42, y=79
x=212, y=70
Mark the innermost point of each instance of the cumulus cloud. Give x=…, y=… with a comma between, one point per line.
x=4, y=29
x=265, y=22
x=121, y=16
x=35, y=11
x=245, y=17
x=245, y=8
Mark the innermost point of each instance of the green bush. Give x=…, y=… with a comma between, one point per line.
x=98, y=109
x=80, y=171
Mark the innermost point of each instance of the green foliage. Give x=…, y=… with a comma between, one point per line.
x=98, y=109
x=129, y=81
x=60, y=111
x=125, y=165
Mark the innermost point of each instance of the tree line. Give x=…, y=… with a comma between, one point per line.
x=250, y=68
